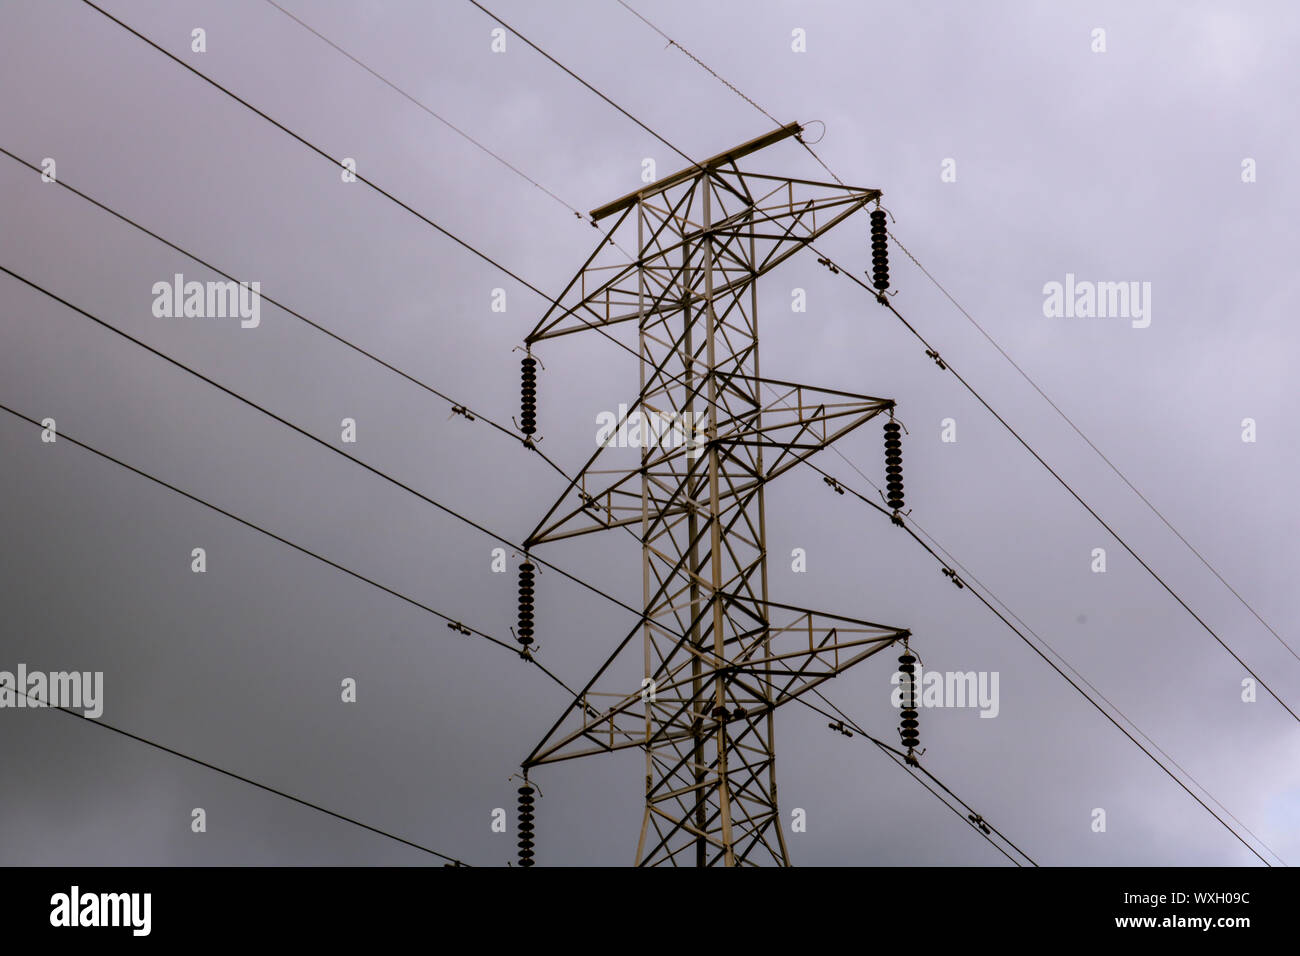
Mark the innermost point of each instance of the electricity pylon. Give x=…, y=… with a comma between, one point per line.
x=718, y=656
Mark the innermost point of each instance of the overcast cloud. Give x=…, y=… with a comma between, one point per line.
x=1117, y=166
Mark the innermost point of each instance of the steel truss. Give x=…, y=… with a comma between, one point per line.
x=719, y=657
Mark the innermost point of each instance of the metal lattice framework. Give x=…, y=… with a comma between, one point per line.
x=718, y=656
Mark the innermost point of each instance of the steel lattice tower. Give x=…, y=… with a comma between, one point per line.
x=718, y=655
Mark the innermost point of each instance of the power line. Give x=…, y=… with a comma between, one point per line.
x=362, y=351
x=1154, y=510
x=462, y=407
x=855, y=279
x=1040, y=460
x=418, y=103
x=379, y=189
x=901, y=759
x=907, y=526
x=446, y=122
x=947, y=366
x=320, y=441
x=316, y=149
x=39, y=704
x=460, y=626
x=476, y=250
x=1009, y=359
x=453, y=623
x=967, y=575
x=698, y=61
x=456, y=407
x=423, y=218
x=575, y=76
x=670, y=145
x=893, y=753
x=554, y=302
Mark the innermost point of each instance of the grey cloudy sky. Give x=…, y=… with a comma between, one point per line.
x=1115, y=166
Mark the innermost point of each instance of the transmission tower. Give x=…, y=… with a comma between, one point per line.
x=718, y=656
